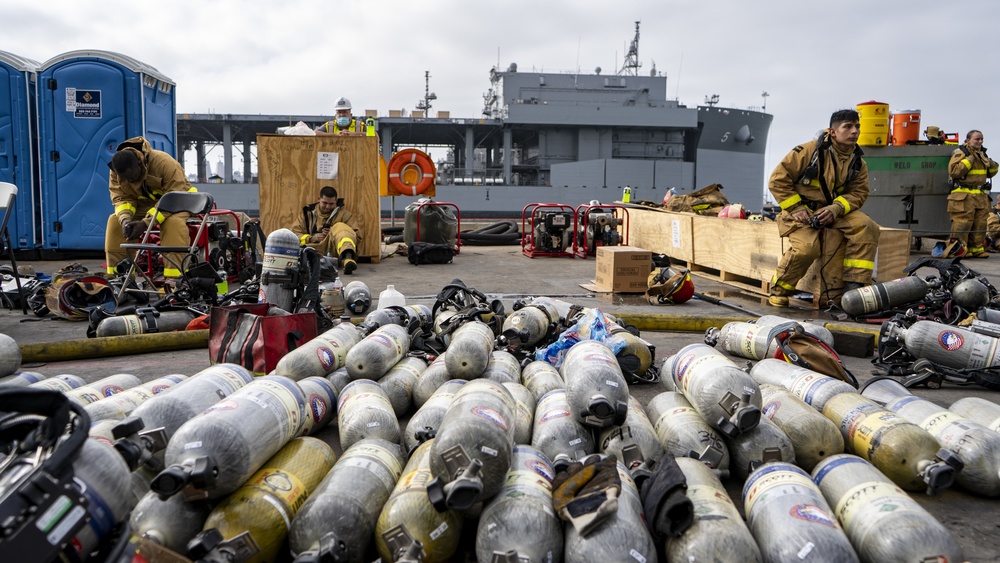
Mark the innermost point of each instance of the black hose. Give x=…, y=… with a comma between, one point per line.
x=496, y=234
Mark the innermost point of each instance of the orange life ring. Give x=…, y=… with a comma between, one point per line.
x=406, y=163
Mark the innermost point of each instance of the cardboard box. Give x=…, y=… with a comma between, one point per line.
x=623, y=269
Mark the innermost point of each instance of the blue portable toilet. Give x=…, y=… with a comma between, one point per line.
x=88, y=103
x=17, y=146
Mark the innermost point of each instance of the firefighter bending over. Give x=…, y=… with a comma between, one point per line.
x=139, y=177
x=330, y=228
x=822, y=184
x=970, y=170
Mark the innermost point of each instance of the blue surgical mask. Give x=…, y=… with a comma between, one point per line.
x=343, y=121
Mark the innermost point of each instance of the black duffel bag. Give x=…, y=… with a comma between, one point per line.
x=429, y=253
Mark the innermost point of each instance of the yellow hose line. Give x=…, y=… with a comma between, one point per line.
x=114, y=346
x=681, y=323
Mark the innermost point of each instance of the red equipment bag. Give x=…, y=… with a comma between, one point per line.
x=246, y=335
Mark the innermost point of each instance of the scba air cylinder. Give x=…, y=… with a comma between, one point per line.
x=725, y=396
x=595, y=386
x=281, y=256
x=882, y=522
x=883, y=296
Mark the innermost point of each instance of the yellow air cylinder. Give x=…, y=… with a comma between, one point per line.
x=267, y=503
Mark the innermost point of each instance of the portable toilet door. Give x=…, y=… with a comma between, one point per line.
x=88, y=103
x=17, y=146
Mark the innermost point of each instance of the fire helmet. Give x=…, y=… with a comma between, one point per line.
x=733, y=211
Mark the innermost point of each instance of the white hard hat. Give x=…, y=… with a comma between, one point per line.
x=343, y=103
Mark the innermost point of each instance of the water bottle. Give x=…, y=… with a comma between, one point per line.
x=332, y=297
x=391, y=298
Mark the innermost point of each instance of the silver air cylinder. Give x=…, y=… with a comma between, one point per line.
x=718, y=532
x=399, y=381
x=120, y=405
x=595, y=387
x=790, y=519
x=377, y=353
x=813, y=435
x=764, y=443
x=979, y=410
x=424, y=423
x=189, y=398
x=883, y=296
x=503, y=367
x=149, y=322
x=623, y=536
x=357, y=297
x=882, y=522
x=684, y=433
x=171, y=523
x=320, y=356
x=105, y=387
x=633, y=442
x=430, y=379
x=540, y=378
x=63, y=382
x=407, y=515
x=103, y=478
x=364, y=411
x=341, y=513
x=281, y=253
x=524, y=412
x=321, y=405
x=472, y=449
x=946, y=345
x=725, y=396
x=815, y=389
x=212, y=454
x=559, y=435
x=520, y=519
x=469, y=350
x=530, y=324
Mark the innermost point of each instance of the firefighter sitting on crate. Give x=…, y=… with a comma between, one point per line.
x=139, y=177
x=819, y=185
x=330, y=228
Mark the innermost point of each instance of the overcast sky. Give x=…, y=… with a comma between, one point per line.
x=298, y=56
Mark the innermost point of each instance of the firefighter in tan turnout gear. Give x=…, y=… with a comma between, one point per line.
x=970, y=170
x=330, y=228
x=822, y=184
x=139, y=177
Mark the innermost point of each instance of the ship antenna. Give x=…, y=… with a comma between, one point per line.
x=631, y=65
x=425, y=104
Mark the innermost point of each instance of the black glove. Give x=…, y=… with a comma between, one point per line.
x=133, y=229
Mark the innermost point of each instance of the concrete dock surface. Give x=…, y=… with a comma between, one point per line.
x=503, y=272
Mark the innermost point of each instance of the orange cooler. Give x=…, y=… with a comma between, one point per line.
x=905, y=126
x=874, y=124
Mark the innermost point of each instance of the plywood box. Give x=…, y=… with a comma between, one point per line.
x=746, y=253
x=417, y=114
x=444, y=114
x=371, y=113
x=395, y=113
x=623, y=269
x=292, y=169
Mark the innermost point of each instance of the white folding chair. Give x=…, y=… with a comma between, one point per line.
x=8, y=193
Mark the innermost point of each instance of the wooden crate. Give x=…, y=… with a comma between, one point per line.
x=746, y=253
x=289, y=168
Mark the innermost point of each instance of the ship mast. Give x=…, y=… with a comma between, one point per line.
x=425, y=104
x=631, y=65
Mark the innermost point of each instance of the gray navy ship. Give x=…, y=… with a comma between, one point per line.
x=568, y=138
